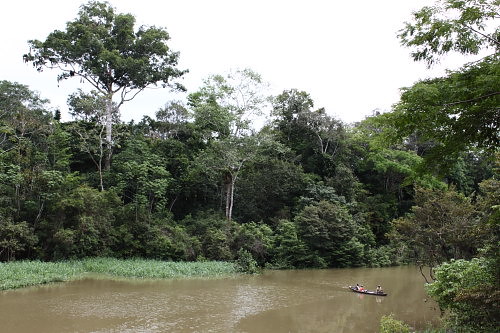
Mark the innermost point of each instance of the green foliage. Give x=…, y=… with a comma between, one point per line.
x=469, y=170
x=172, y=120
x=489, y=216
x=390, y=325
x=328, y=229
x=18, y=274
x=257, y=239
x=269, y=184
x=64, y=243
x=154, y=269
x=381, y=257
x=58, y=148
x=458, y=112
x=168, y=179
x=85, y=224
x=88, y=107
x=226, y=104
x=388, y=176
x=140, y=177
x=215, y=234
x=469, y=289
x=102, y=47
x=211, y=120
x=380, y=210
x=246, y=263
x=159, y=177
x=23, y=113
x=15, y=238
x=323, y=194
x=441, y=227
x=395, y=167
x=10, y=178
x=290, y=251
x=449, y=113
x=223, y=110
x=451, y=25
x=318, y=140
x=345, y=182
x=216, y=244
x=318, y=191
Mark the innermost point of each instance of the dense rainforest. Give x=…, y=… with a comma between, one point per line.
x=235, y=173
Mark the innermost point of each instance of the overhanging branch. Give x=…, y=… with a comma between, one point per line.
x=472, y=99
x=481, y=34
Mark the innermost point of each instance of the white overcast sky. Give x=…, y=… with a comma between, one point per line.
x=345, y=54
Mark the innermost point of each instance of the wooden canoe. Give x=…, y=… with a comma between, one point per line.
x=367, y=292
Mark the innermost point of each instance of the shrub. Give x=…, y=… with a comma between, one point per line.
x=15, y=238
x=256, y=238
x=246, y=263
x=390, y=325
x=469, y=290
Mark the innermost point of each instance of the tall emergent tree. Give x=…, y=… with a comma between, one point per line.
x=101, y=47
x=224, y=109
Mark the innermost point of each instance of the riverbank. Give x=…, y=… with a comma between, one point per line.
x=19, y=274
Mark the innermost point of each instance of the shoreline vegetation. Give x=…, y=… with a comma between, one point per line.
x=21, y=274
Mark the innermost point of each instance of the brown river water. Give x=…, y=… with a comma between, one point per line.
x=274, y=301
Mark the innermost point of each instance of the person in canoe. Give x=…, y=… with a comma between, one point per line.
x=361, y=289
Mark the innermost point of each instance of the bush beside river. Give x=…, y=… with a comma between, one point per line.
x=19, y=274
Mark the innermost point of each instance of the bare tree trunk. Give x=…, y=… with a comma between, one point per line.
x=18, y=200
x=39, y=215
x=172, y=203
x=229, y=195
x=109, y=129
x=231, y=199
x=99, y=168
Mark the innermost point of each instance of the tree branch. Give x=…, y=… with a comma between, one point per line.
x=87, y=78
x=480, y=33
x=421, y=272
x=124, y=94
x=472, y=99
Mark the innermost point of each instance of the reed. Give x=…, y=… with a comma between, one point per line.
x=19, y=274
x=155, y=269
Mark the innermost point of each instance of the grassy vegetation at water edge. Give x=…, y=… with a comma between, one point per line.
x=18, y=274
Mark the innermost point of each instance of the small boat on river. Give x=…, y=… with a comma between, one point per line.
x=367, y=292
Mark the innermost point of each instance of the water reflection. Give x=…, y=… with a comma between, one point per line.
x=276, y=301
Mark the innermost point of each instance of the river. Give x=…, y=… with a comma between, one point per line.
x=274, y=301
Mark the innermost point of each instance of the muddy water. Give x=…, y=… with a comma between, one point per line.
x=275, y=301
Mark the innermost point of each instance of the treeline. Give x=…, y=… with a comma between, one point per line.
x=198, y=183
